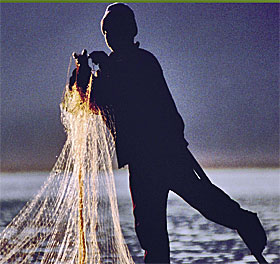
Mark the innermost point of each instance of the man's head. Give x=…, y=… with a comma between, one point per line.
x=118, y=26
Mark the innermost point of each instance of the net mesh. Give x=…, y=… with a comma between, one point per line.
x=74, y=217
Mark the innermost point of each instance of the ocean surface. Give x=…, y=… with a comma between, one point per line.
x=193, y=239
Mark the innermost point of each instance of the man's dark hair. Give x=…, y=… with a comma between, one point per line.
x=119, y=18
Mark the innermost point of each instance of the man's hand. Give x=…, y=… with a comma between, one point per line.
x=81, y=74
x=81, y=60
x=101, y=59
x=98, y=57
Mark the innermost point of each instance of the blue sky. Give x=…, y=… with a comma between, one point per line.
x=220, y=62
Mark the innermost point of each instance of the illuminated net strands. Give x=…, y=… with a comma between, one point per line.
x=74, y=217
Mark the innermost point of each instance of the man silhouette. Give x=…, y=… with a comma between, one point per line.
x=150, y=139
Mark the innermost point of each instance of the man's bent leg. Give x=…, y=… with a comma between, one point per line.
x=149, y=199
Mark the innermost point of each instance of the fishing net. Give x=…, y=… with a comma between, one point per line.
x=74, y=217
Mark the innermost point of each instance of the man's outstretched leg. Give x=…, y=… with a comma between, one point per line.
x=253, y=235
x=217, y=206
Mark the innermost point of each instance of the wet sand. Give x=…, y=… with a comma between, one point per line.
x=193, y=239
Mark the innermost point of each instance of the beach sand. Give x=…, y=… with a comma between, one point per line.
x=193, y=239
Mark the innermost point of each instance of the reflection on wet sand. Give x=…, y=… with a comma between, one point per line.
x=193, y=239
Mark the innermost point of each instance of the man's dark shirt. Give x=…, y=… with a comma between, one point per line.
x=146, y=119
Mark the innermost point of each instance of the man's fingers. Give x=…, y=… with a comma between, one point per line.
x=81, y=59
x=84, y=52
x=98, y=57
x=75, y=55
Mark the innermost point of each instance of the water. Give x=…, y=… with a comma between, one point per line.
x=193, y=239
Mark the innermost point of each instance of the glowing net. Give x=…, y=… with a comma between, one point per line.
x=74, y=217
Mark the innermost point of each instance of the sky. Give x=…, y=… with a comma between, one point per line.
x=221, y=63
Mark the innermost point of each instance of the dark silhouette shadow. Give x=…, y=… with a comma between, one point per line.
x=150, y=139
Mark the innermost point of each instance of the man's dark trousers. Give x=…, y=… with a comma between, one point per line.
x=151, y=178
